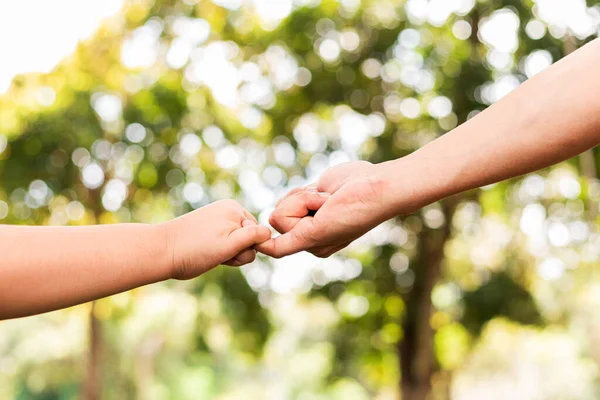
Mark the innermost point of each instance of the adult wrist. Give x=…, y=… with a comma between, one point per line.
x=411, y=183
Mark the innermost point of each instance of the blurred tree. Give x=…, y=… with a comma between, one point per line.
x=177, y=103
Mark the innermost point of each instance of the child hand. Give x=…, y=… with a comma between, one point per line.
x=220, y=233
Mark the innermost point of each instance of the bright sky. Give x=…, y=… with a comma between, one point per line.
x=36, y=34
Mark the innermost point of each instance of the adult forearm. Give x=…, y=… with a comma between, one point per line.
x=46, y=268
x=550, y=118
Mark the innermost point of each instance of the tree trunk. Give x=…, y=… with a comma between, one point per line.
x=92, y=386
x=417, y=359
x=144, y=365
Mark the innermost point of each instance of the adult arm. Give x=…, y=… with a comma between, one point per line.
x=551, y=117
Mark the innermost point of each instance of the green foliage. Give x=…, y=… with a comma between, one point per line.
x=412, y=296
x=500, y=296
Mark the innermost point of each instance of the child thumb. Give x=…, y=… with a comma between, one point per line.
x=248, y=235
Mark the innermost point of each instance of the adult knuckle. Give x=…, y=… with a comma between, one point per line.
x=275, y=221
x=274, y=217
x=306, y=236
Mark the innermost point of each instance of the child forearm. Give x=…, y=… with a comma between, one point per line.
x=47, y=268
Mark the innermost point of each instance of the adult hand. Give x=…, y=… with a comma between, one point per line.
x=351, y=199
x=525, y=131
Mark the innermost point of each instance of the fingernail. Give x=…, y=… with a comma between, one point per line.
x=324, y=194
x=312, y=189
x=248, y=222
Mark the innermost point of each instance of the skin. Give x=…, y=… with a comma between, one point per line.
x=58, y=267
x=550, y=118
x=47, y=268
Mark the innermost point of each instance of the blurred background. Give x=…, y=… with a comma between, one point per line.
x=142, y=110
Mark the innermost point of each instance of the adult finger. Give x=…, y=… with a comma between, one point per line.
x=327, y=251
x=288, y=194
x=311, y=188
x=290, y=211
x=302, y=237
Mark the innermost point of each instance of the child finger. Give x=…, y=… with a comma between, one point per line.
x=243, y=258
x=249, y=235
